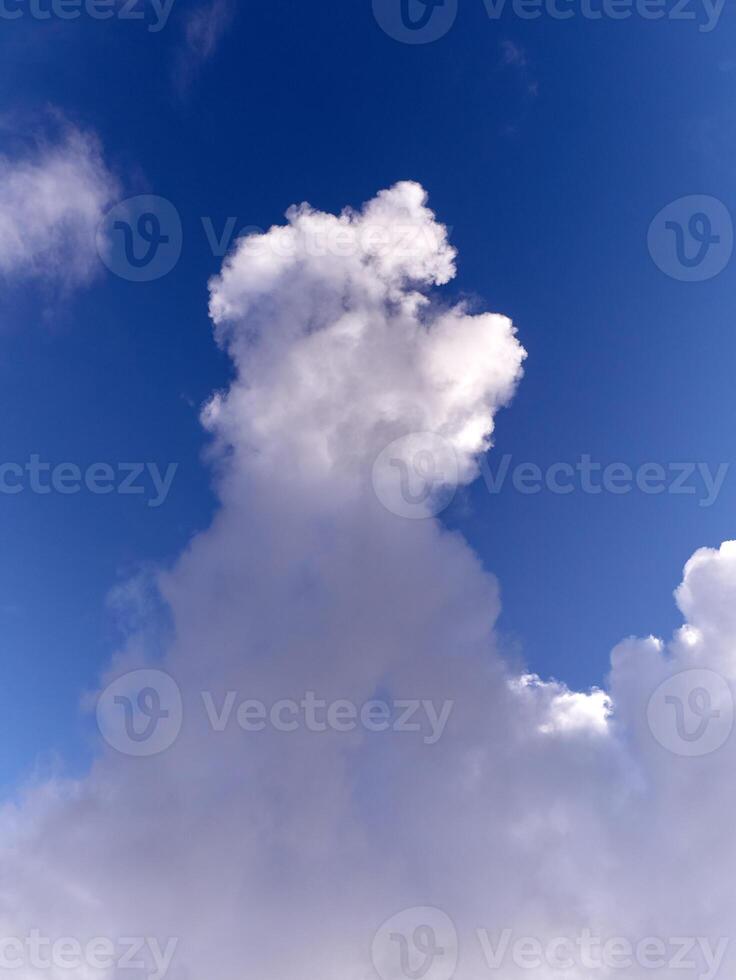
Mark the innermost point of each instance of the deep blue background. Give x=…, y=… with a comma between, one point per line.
x=548, y=174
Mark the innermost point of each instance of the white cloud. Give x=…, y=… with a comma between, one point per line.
x=51, y=202
x=567, y=711
x=349, y=353
x=279, y=854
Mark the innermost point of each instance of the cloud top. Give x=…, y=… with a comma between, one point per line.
x=340, y=347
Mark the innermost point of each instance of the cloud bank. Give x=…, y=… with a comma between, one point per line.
x=277, y=852
x=51, y=202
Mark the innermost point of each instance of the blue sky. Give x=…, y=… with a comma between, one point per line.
x=547, y=147
x=273, y=616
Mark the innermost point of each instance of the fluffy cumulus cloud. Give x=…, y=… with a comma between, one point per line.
x=507, y=822
x=339, y=350
x=51, y=202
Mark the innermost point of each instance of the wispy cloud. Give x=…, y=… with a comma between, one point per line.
x=513, y=55
x=52, y=198
x=204, y=28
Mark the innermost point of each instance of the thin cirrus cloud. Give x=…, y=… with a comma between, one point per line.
x=204, y=28
x=513, y=56
x=52, y=199
x=279, y=854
